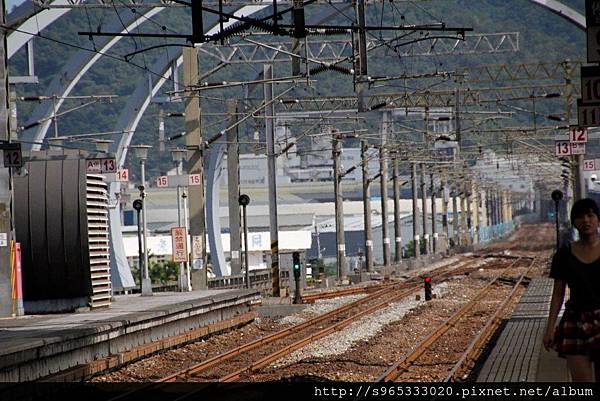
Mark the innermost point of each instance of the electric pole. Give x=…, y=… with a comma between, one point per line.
x=384, y=206
x=424, y=206
x=415, y=210
x=233, y=187
x=455, y=228
x=433, y=216
x=488, y=208
x=579, y=190
x=444, y=191
x=500, y=207
x=469, y=200
x=272, y=174
x=195, y=156
x=397, y=227
x=458, y=81
x=339, y=208
x=299, y=32
x=368, y=229
x=463, y=216
x=362, y=55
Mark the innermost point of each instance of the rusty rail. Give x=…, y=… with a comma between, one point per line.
x=406, y=288
x=395, y=370
x=312, y=297
x=315, y=336
x=267, y=339
x=475, y=347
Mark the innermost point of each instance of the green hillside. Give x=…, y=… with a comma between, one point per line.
x=544, y=36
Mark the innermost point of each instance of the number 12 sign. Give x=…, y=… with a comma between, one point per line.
x=577, y=135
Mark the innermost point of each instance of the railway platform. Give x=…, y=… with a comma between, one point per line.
x=69, y=347
x=518, y=354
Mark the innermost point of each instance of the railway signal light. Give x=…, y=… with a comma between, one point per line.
x=427, y=282
x=297, y=266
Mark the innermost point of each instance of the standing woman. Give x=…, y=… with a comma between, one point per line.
x=577, y=336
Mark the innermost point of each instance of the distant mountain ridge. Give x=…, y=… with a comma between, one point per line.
x=543, y=36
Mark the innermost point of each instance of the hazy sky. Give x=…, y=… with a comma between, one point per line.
x=11, y=3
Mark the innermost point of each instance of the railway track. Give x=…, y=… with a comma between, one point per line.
x=312, y=297
x=428, y=349
x=250, y=357
x=368, y=359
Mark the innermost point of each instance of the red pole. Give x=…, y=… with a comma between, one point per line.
x=19, y=273
x=17, y=282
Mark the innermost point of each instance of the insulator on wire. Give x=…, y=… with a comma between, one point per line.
x=232, y=30
x=379, y=106
x=242, y=26
x=332, y=67
x=327, y=31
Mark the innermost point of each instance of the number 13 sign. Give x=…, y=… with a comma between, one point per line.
x=562, y=148
x=566, y=148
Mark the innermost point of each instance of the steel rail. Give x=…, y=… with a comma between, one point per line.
x=326, y=331
x=311, y=298
x=411, y=285
x=485, y=333
x=319, y=334
x=399, y=367
x=265, y=340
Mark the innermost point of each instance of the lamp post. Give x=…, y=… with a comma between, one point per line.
x=556, y=197
x=178, y=155
x=244, y=200
x=188, y=275
x=138, y=205
x=141, y=152
x=102, y=145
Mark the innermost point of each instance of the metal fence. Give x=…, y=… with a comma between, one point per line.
x=260, y=279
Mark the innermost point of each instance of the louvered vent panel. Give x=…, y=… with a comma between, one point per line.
x=97, y=212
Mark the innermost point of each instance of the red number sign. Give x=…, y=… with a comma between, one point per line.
x=194, y=179
x=578, y=135
x=162, y=181
x=562, y=148
x=123, y=175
